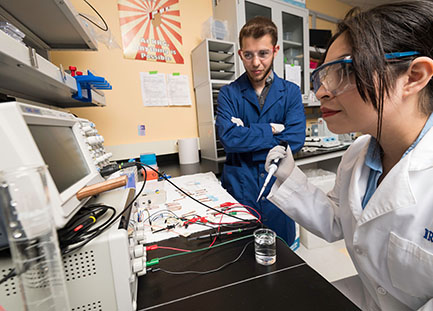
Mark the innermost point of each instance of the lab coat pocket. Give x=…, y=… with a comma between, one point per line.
x=410, y=267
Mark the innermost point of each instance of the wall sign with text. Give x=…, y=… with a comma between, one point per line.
x=151, y=30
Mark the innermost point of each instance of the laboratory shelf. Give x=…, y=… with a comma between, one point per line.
x=291, y=44
x=26, y=74
x=214, y=66
x=222, y=74
x=220, y=65
x=70, y=31
x=217, y=84
x=321, y=157
x=316, y=52
x=219, y=55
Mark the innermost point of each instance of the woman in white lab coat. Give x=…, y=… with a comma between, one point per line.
x=376, y=79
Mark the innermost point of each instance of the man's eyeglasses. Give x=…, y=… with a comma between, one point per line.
x=336, y=76
x=261, y=54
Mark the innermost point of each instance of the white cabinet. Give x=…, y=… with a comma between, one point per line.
x=293, y=33
x=213, y=65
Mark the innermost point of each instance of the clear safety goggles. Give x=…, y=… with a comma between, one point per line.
x=337, y=76
x=261, y=54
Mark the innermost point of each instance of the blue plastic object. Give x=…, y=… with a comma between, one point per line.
x=148, y=158
x=85, y=83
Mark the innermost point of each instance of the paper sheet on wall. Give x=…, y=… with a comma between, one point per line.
x=293, y=74
x=178, y=90
x=153, y=89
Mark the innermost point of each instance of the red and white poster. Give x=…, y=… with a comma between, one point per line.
x=151, y=30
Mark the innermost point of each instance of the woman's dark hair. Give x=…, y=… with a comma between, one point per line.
x=395, y=27
x=258, y=27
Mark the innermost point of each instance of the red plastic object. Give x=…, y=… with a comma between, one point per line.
x=72, y=69
x=313, y=65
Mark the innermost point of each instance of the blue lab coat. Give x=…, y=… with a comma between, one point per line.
x=247, y=146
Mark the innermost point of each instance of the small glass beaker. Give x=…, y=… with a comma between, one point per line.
x=265, y=246
x=24, y=201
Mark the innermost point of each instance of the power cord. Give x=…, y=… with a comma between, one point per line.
x=103, y=20
x=78, y=228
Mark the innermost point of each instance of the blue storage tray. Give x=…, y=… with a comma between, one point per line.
x=86, y=83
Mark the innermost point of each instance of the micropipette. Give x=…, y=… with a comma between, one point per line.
x=272, y=169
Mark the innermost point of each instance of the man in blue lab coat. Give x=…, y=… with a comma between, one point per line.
x=255, y=113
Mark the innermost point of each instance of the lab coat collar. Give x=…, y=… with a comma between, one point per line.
x=247, y=90
x=275, y=93
x=357, y=179
x=384, y=199
x=422, y=154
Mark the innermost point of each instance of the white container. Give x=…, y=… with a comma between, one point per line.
x=188, y=150
x=214, y=29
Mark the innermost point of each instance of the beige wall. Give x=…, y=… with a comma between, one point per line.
x=119, y=120
x=331, y=8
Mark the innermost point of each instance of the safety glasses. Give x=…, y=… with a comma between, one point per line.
x=337, y=76
x=261, y=54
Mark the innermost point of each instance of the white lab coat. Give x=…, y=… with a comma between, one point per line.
x=386, y=240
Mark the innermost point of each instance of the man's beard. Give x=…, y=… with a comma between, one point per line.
x=264, y=75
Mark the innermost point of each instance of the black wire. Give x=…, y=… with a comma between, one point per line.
x=68, y=236
x=214, y=209
x=67, y=251
x=108, y=220
x=83, y=16
x=209, y=271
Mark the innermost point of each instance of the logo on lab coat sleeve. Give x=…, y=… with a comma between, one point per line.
x=428, y=235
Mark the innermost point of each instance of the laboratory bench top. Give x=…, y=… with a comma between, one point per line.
x=289, y=284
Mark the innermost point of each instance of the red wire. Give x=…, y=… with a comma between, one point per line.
x=229, y=223
x=216, y=235
x=249, y=207
x=174, y=249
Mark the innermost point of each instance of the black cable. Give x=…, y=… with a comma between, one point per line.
x=209, y=207
x=209, y=271
x=107, y=221
x=67, y=251
x=81, y=225
x=103, y=20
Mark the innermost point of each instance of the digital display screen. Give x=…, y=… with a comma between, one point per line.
x=62, y=154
